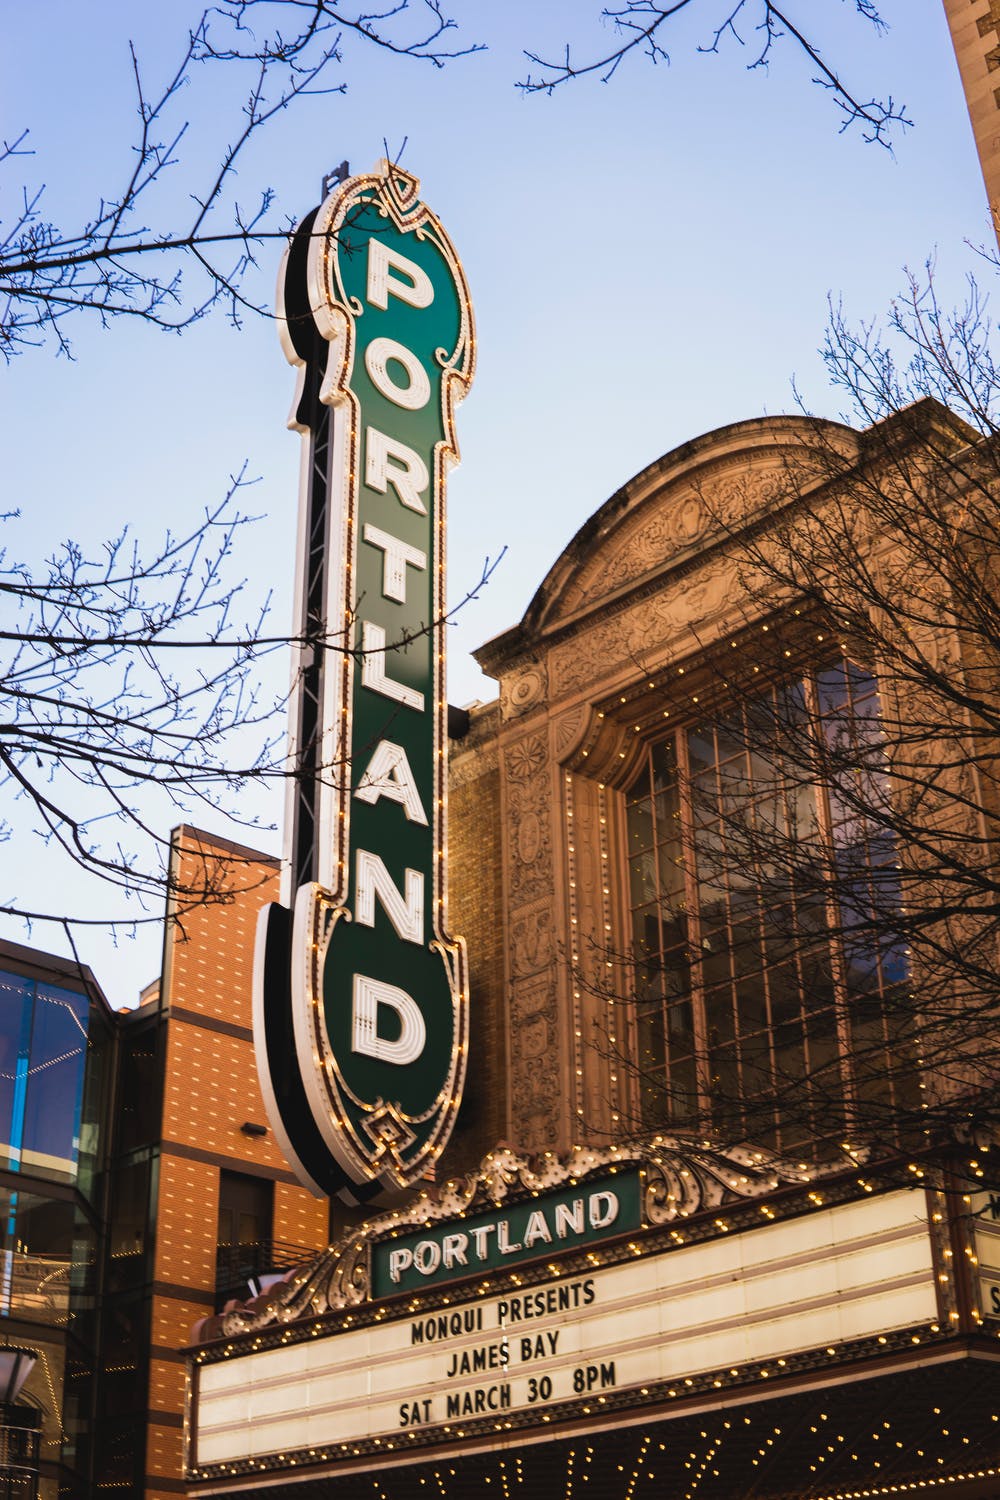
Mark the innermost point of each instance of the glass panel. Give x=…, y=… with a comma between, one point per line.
x=654, y=1102
x=129, y=1223
x=16, y=995
x=868, y=1056
x=671, y=871
x=831, y=690
x=97, y=1084
x=751, y=1004
x=734, y=791
x=246, y=1207
x=139, y=1109
x=725, y=1075
x=43, y=1056
x=639, y=819
x=715, y=962
x=55, y=1081
x=755, y=1055
x=36, y=1236
x=789, y=1053
x=784, y=993
x=642, y=878
x=645, y=931
x=704, y=799
x=745, y=940
x=663, y=762
x=683, y=1089
x=719, y=1017
x=677, y=972
x=701, y=750
x=712, y=877
x=731, y=746
x=817, y=980
x=652, y=1050
x=823, y=1049
x=674, y=924
x=44, y=1390
x=680, y=1030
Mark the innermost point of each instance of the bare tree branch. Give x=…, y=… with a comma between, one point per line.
x=131, y=258
x=641, y=27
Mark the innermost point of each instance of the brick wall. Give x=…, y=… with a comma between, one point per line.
x=210, y=1091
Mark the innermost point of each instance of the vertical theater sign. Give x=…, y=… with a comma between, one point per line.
x=361, y=993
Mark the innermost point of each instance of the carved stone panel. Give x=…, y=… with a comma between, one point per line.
x=534, y=1064
x=523, y=691
x=532, y=940
x=532, y=927
x=529, y=821
x=676, y=620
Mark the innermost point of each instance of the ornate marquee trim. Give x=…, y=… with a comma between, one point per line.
x=682, y=1178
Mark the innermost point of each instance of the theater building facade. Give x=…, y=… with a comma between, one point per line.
x=640, y=1270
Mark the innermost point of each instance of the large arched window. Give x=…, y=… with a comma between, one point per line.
x=769, y=973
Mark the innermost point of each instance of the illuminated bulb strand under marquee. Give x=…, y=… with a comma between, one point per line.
x=362, y=969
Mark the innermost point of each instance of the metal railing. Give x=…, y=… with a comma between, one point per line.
x=20, y=1432
x=240, y=1268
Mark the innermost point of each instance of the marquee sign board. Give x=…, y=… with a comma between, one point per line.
x=596, y=1336
x=361, y=992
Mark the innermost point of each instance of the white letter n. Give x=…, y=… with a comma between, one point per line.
x=405, y=914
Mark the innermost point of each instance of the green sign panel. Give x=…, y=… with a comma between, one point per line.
x=378, y=991
x=573, y=1217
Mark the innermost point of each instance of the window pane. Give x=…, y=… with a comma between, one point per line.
x=642, y=878
x=789, y=1052
x=16, y=995
x=652, y=1050
x=823, y=1049
x=751, y=1004
x=639, y=817
x=719, y=1016
x=683, y=1089
x=645, y=932
x=731, y=748
x=671, y=871
x=701, y=750
x=663, y=764
x=784, y=993
x=715, y=960
x=55, y=1081
x=680, y=1023
x=677, y=972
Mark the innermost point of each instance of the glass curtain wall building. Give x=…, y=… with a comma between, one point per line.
x=57, y=1039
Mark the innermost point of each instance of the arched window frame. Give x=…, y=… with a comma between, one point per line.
x=798, y=1116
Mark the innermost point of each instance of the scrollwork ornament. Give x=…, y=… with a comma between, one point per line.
x=681, y=1178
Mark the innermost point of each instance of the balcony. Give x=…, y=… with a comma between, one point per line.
x=243, y=1271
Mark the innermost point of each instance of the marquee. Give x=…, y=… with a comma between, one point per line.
x=740, y=1269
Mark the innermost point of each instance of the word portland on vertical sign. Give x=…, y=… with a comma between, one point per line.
x=361, y=993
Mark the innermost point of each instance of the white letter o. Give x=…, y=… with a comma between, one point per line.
x=427, y=1257
x=412, y=396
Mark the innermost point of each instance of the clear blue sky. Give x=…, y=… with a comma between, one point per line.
x=648, y=260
